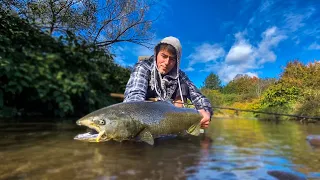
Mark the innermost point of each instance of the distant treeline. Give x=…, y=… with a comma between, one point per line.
x=42, y=75
x=295, y=92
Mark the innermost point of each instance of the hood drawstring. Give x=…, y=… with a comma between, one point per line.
x=181, y=95
x=154, y=72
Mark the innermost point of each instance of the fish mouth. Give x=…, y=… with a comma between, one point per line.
x=93, y=133
x=90, y=136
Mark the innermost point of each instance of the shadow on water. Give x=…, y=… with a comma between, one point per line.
x=230, y=149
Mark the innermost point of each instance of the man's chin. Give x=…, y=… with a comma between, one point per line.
x=163, y=72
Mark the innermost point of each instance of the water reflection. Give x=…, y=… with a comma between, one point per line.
x=229, y=149
x=59, y=157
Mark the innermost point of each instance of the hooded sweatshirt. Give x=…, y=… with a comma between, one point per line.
x=146, y=80
x=159, y=83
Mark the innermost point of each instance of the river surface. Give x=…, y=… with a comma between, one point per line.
x=229, y=149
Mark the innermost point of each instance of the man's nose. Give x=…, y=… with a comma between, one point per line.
x=166, y=61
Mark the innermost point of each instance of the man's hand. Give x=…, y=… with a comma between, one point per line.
x=205, y=118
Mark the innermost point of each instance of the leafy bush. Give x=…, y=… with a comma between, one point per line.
x=310, y=104
x=229, y=99
x=280, y=95
x=214, y=96
x=47, y=76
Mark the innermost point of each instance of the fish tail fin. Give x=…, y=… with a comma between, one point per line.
x=194, y=129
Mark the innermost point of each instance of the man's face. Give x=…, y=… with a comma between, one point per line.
x=165, y=61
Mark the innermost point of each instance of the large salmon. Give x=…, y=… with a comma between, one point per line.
x=139, y=120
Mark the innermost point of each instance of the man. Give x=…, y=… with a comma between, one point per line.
x=160, y=77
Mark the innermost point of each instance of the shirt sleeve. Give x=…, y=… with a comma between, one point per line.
x=196, y=97
x=137, y=86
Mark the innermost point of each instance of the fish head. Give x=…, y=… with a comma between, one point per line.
x=117, y=126
x=96, y=124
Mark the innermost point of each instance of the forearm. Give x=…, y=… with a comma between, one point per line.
x=196, y=97
x=202, y=103
x=137, y=85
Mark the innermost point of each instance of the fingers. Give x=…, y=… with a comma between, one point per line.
x=204, y=123
x=205, y=126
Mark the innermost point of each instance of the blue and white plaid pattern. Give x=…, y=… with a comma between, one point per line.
x=137, y=86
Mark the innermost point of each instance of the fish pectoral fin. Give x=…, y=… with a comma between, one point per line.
x=194, y=129
x=146, y=136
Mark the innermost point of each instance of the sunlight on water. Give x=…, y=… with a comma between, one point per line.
x=229, y=149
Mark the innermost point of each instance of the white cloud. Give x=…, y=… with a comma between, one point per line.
x=296, y=23
x=240, y=52
x=290, y=21
x=270, y=39
x=314, y=46
x=245, y=57
x=265, y=5
x=189, y=69
x=227, y=72
x=297, y=20
x=125, y=52
x=293, y=22
x=251, y=74
x=205, y=53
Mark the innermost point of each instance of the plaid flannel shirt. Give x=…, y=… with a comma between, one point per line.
x=138, y=84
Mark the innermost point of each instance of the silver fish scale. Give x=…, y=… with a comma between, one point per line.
x=151, y=112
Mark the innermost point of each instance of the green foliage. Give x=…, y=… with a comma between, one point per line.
x=305, y=78
x=280, y=96
x=241, y=84
x=296, y=92
x=39, y=74
x=212, y=82
x=300, y=75
x=309, y=105
x=214, y=96
x=229, y=99
x=243, y=88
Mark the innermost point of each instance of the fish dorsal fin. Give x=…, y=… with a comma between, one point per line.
x=194, y=129
x=146, y=136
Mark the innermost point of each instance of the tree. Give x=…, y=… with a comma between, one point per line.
x=297, y=74
x=263, y=84
x=241, y=84
x=100, y=22
x=40, y=74
x=212, y=82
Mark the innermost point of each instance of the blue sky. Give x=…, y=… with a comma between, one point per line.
x=233, y=37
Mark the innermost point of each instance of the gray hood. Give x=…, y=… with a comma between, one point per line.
x=174, y=73
x=159, y=83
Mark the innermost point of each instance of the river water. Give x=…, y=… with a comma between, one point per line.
x=229, y=149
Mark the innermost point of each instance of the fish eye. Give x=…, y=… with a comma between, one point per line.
x=102, y=122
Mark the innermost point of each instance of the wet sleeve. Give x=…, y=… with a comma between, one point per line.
x=137, y=86
x=196, y=97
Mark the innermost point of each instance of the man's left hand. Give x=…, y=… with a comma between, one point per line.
x=205, y=118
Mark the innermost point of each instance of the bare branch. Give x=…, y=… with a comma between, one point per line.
x=103, y=23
